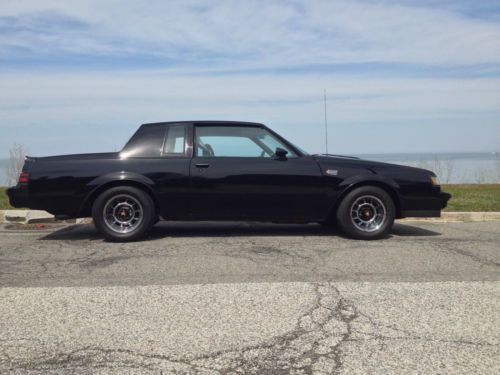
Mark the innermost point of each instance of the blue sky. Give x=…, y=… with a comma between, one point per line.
x=401, y=76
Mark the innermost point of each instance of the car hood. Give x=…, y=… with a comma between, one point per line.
x=329, y=160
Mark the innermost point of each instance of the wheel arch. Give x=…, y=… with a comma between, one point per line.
x=387, y=187
x=143, y=184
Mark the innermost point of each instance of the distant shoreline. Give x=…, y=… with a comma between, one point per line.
x=451, y=167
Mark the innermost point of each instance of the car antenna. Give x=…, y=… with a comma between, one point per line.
x=326, y=123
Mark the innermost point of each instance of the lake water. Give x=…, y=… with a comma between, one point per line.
x=455, y=168
x=480, y=167
x=3, y=165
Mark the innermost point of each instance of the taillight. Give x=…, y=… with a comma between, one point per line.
x=24, y=177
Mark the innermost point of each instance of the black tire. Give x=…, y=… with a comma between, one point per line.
x=143, y=218
x=359, y=213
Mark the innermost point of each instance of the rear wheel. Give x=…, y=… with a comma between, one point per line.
x=123, y=213
x=366, y=213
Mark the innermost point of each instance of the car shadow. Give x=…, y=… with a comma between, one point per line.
x=228, y=229
x=405, y=230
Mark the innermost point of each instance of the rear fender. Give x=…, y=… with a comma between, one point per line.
x=101, y=183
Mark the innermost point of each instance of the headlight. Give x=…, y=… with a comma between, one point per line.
x=434, y=181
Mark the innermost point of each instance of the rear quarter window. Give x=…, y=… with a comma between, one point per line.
x=147, y=142
x=175, y=137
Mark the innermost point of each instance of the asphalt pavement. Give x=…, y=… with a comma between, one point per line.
x=235, y=298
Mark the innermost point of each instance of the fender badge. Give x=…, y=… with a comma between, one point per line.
x=332, y=172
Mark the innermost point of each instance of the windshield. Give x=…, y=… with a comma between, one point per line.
x=302, y=151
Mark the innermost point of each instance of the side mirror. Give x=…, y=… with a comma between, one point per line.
x=280, y=153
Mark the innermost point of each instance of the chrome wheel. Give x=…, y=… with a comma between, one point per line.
x=368, y=213
x=123, y=213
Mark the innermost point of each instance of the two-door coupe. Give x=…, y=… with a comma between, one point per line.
x=221, y=170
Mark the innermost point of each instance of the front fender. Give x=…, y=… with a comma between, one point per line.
x=361, y=180
x=358, y=179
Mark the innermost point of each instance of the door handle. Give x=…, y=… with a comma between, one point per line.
x=202, y=165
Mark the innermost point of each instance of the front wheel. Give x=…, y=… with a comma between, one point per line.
x=123, y=213
x=366, y=213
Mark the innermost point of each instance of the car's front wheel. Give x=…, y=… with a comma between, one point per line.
x=123, y=213
x=366, y=213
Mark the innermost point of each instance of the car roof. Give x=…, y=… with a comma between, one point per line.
x=206, y=123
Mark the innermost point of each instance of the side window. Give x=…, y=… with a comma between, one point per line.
x=236, y=141
x=174, y=141
x=227, y=146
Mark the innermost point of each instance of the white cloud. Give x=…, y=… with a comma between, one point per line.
x=42, y=107
x=263, y=34
x=422, y=93
x=135, y=97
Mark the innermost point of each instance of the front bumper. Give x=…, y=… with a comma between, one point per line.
x=444, y=198
x=426, y=207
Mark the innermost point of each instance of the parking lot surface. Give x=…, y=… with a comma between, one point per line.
x=251, y=298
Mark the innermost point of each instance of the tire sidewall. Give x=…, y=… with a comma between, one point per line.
x=344, y=215
x=149, y=214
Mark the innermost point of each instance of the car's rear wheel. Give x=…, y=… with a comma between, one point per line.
x=123, y=213
x=366, y=213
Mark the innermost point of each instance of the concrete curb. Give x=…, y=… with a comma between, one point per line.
x=450, y=217
x=35, y=216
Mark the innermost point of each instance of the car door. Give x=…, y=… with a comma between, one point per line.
x=236, y=175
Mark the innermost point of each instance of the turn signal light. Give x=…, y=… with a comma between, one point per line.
x=434, y=181
x=24, y=177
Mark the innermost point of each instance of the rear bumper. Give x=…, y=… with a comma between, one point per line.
x=18, y=197
x=56, y=204
x=427, y=207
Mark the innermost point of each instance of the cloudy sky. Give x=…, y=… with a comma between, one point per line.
x=401, y=76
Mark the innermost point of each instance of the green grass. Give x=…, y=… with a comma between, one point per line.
x=4, y=200
x=465, y=197
x=473, y=197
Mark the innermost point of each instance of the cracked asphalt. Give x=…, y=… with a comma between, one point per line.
x=233, y=298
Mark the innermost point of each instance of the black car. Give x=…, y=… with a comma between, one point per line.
x=219, y=170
